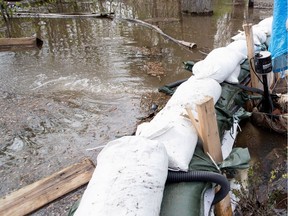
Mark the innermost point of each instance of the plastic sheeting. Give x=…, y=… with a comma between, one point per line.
x=278, y=44
x=187, y=198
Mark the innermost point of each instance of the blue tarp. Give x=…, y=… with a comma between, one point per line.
x=278, y=45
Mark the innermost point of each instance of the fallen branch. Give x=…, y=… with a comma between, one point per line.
x=180, y=42
x=61, y=15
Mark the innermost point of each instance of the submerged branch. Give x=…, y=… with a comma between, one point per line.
x=61, y=15
x=180, y=42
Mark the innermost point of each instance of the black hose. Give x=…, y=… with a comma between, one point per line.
x=176, y=83
x=192, y=176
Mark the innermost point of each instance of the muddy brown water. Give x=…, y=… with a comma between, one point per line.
x=93, y=79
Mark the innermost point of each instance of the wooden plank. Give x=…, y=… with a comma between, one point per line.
x=36, y=195
x=13, y=44
x=194, y=121
x=224, y=208
x=250, y=48
x=17, y=41
x=209, y=128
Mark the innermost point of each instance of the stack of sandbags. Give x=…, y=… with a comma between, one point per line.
x=131, y=171
x=129, y=179
x=222, y=64
x=172, y=128
x=261, y=32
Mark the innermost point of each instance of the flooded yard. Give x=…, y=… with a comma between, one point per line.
x=94, y=79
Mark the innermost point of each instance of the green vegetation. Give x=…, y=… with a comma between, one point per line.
x=262, y=197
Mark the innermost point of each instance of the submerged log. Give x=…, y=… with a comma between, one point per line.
x=36, y=195
x=156, y=28
x=62, y=15
x=14, y=44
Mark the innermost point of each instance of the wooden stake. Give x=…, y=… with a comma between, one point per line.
x=194, y=121
x=250, y=47
x=207, y=129
x=224, y=208
x=36, y=195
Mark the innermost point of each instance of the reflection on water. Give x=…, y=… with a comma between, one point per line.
x=84, y=86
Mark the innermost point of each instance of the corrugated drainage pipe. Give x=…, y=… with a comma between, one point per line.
x=204, y=176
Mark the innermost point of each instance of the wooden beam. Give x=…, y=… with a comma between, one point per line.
x=250, y=48
x=40, y=193
x=194, y=121
x=7, y=44
x=224, y=208
x=17, y=41
x=207, y=129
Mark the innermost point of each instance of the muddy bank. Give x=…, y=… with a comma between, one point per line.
x=267, y=175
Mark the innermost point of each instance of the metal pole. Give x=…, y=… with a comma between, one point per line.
x=267, y=104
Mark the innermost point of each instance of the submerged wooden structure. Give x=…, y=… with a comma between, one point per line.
x=14, y=44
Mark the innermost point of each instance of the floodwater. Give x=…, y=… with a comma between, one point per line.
x=87, y=84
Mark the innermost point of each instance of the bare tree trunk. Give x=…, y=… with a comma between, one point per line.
x=197, y=6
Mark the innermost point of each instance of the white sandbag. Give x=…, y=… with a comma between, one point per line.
x=259, y=35
x=239, y=36
x=260, y=32
x=129, y=179
x=174, y=130
x=266, y=25
x=219, y=64
x=193, y=91
x=233, y=78
x=176, y=133
x=239, y=46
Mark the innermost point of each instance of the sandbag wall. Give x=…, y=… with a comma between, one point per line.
x=131, y=171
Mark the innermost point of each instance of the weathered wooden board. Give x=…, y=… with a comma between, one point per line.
x=250, y=47
x=12, y=44
x=36, y=195
x=207, y=130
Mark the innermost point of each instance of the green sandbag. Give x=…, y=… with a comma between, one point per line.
x=187, y=198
